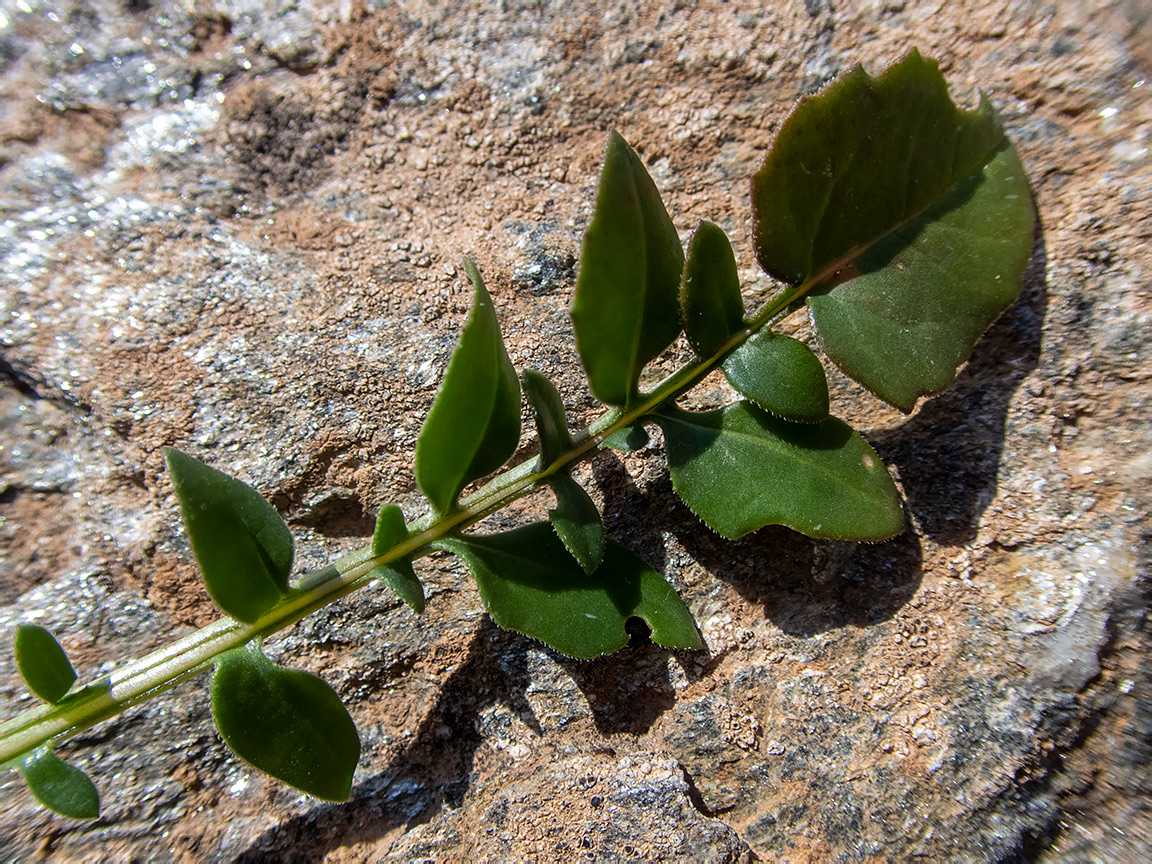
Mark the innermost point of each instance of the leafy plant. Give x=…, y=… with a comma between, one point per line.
x=903, y=222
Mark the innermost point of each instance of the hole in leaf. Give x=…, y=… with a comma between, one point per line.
x=639, y=633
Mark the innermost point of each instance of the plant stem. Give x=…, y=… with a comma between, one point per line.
x=140, y=680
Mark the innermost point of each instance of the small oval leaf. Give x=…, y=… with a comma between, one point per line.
x=576, y=522
x=397, y=575
x=60, y=787
x=781, y=375
x=243, y=547
x=287, y=723
x=42, y=663
x=823, y=479
x=710, y=299
x=474, y=425
x=907, y=219
x=625, y=309
x=551, y=421
x=531, y=584
x=627, y=440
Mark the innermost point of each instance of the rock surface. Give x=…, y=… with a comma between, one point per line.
x=235, y=228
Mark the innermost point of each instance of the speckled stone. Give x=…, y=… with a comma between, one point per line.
x=236, y=228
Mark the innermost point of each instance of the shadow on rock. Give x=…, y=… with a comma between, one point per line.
x=806, y=586
x=627, y=691
x=629, y=513
x=433, y=771
x=948, y=454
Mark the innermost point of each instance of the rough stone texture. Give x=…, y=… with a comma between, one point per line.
x=235, y=226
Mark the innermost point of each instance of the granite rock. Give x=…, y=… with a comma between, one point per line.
x=236, y=227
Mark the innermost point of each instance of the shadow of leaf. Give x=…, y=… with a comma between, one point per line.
x=432, y=772
x=948, y=454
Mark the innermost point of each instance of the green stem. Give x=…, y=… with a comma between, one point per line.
x=140, y=680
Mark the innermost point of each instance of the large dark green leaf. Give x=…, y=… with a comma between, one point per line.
x=531, y=584
x=287, y=723
x=474, y=425
x=925, y=294
x=42, y=663
x=243, y=547
x=861, y=158
x=577, y=522
x=710, y=291
x=740, y=469
x=59, y=786
x=908, y=218
x=625, y=309
x=781, y=375
x=397, y=575
x=551, y=422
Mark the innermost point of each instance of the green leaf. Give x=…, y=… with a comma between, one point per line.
x=740, y=469
x=59, y=786
x=287, y=723
x=781, y=375
x=577, y=522
x=474, y=425
x=243, y=547
x=908, y=218
x=926, y=293
x=42, y=663
x=628, y=440
x=575, y=519
x=625, y=309
x=397, y=575
x=710, y=291
x=859, y=159
x=531, y=584
x=551, y=422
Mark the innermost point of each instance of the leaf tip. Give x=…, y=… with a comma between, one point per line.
x=473, y=272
